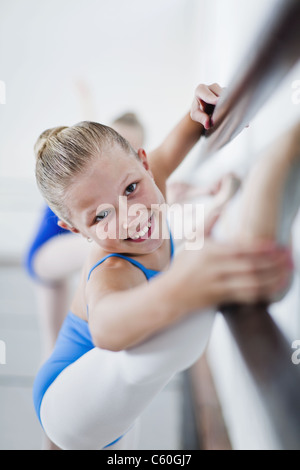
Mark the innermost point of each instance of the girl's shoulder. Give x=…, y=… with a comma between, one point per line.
x=116, y=263
x=101, y=274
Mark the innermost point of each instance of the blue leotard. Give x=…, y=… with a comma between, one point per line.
x=48, y=229
x=74, y=340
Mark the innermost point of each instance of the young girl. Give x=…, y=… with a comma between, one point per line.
x=126, y=337
x=55, y=254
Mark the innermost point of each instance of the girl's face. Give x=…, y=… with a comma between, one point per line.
x=117, y=203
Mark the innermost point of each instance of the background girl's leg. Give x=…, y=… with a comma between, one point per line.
x=60, y=257
x=55, y=263
x=271, y=195
x=270, y=198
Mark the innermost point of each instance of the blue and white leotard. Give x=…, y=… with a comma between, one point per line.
x=74, y=340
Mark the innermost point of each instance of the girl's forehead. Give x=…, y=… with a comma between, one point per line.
x=108, y=169
x=110, y=163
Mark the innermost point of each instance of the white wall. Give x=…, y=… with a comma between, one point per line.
x=130, y=54
x=67, y=60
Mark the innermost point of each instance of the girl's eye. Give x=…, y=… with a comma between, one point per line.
x=130, y=189
x=101, y=215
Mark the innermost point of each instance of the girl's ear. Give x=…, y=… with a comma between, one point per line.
x=65, y=226
x=144, y=159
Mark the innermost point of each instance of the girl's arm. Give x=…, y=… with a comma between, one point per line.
x=168, y=156
x=124, y=309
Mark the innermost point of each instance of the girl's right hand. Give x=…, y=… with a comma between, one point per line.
x=205, y=99
x=224, y=273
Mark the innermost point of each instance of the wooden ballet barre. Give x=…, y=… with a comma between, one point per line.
x=269, y=59
x=267, y=355
x=264, y=348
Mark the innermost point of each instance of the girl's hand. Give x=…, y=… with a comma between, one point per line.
x=206, y=97
x=223, y=273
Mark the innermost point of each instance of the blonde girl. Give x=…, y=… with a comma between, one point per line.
x=139, y=315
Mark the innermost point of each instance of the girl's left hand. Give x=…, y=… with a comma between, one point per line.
x=206, y=98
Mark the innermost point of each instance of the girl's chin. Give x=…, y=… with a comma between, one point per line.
x=146, y=246
x=131, y=246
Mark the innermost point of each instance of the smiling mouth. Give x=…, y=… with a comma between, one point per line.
x=143, y=234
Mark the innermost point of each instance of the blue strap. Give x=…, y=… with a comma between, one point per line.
x=172, y=246
x=148, y=272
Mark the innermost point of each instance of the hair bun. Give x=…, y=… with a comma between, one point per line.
x=44, y=138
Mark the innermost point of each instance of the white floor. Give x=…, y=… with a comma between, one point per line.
x=19, y=332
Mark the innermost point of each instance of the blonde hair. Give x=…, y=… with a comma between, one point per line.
x=62, y=153
x=130, y=119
